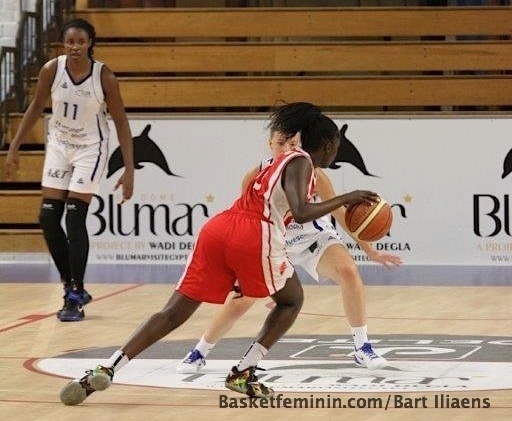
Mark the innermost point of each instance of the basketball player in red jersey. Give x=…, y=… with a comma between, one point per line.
x=318, y=249
x=246, y=243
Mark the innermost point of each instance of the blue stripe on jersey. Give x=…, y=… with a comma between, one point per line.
x=99, y=149
x=318, y=227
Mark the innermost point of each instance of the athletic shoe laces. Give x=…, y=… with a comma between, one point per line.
x=194, y=356
x=368, y=350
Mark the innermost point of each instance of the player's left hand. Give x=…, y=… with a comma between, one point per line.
x=387, y=259
x=126, y=180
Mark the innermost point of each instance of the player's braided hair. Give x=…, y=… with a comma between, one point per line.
x=81, y=24
x=315, y=127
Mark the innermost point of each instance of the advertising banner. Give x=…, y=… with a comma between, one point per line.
x=448, y=180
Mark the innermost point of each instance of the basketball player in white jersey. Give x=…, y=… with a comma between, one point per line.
x=81, y=90
x=317, y=248
x=245, y=243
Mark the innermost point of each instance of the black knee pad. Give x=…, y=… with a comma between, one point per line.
x=50, y=218
x=50, y=215
x=78, y=240
x=76, y=214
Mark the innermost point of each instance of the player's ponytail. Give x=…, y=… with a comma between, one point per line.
x=320, y=130
x=291, y=118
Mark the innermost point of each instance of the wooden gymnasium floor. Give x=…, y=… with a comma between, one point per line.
x=30, y=335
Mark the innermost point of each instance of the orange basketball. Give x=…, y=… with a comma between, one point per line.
x=369, y=222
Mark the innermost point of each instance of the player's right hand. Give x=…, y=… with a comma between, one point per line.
x=12, y=163
x=360, y=196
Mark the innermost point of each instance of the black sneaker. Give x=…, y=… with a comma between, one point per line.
x=73, y=310
x=77, y=390
x=247, y=382
x=86, y=299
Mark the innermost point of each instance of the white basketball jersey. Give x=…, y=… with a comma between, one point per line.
x=79, y=111
x=300, y=236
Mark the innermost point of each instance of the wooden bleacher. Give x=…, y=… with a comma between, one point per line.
x=244, y=59
x=308, y=23
x=321, y=57
x=35, y=136
x=21, y=240
x=332, y=54
x=20, y=206
x=31, y=167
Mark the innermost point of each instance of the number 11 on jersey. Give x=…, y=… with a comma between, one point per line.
x=75, y=109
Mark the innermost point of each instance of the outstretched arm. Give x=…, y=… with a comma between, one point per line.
x=326, y=192
x=296, y=177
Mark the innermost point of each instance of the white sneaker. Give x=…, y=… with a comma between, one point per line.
x=192, y=363
x=366, y=357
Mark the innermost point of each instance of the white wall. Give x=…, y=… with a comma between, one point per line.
x=9, y=19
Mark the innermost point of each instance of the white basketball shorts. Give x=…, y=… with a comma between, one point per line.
x=73, y=167
x=308, y=256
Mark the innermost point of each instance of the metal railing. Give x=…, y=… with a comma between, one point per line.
x=7, y=87
x=28, y=45
x=36, y=33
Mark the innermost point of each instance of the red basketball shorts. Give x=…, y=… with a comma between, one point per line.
x=234, y=246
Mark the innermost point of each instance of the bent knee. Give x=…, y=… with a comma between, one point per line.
x=295, y=302
x=239, y=306
x=170, y=317
x=50, y=214
x=346, y=273
x=299, y=300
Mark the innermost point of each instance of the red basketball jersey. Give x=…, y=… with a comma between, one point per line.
x=265, y=195
x=245, y=243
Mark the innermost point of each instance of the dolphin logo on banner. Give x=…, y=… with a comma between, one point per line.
x=507, y=164
x=144, y=150
x=348, y=153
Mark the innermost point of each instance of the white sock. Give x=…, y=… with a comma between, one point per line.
x=204, y=347
x=252, y=357
x=118, y=360
x=359, y=335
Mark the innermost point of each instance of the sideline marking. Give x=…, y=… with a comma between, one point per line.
x=31, y=318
